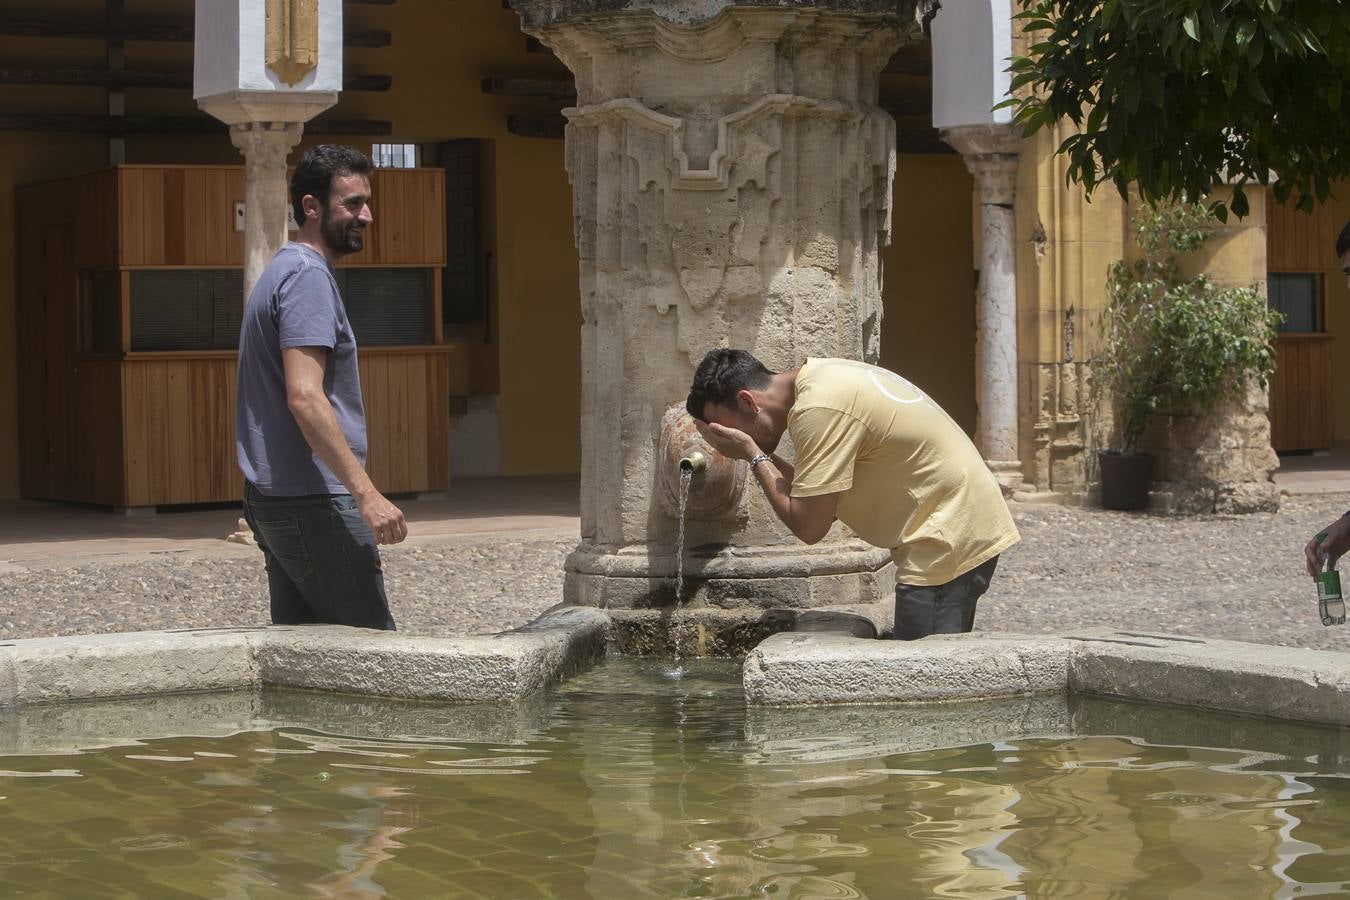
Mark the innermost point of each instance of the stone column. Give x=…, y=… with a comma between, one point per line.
x=991, y=155
x=731, y=176
x=265, y=146
x=264, y=68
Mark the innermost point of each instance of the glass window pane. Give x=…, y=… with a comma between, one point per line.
x=1295, y=295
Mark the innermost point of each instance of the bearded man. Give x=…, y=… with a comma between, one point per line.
x=300, y=427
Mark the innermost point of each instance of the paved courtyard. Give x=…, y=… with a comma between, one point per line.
x=490, y=557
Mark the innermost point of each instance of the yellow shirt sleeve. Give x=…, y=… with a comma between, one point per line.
x=827, y=443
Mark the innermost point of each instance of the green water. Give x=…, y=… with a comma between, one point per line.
x=630, y=783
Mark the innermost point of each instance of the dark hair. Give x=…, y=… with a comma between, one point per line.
x=720, y=375
x=316, y=170
x=1343, y=242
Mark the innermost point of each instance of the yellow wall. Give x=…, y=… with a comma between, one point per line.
x=928, y=331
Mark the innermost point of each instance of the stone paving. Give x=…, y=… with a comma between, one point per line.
x=1238, y=578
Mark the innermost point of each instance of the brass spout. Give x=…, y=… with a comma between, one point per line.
x=695, y=462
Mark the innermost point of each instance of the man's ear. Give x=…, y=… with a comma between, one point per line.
x=745, y=399
x=310, y=203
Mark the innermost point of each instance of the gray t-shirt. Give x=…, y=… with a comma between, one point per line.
x=294, y=304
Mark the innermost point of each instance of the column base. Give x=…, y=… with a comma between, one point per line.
x=1008, y=474
x=791, y=577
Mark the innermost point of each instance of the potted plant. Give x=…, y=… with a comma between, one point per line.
x=1172, y=344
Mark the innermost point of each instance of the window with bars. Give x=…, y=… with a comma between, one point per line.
x=394, y=156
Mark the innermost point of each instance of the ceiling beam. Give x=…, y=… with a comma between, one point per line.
x=152, y=78
x=198, y=124
x=175, y=30
x=547, y=88
x=545, y=126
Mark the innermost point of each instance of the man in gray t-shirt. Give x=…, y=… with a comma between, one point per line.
x=300, y=428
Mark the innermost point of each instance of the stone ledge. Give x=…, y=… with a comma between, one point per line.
x=1280, y=682
x=793, y=669
x=804, y=669
x=507, y=666
x=106, y=666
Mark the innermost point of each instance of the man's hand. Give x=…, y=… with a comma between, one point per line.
x=730, y=442
x=384, y=518
x=1336, y=542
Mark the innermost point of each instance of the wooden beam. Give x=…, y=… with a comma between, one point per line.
x=153, y=78
x=198, y=124
x=173, y=30
x=548, y=88
x=552, y=126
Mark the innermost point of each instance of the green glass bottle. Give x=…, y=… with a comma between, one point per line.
x=1330, y=603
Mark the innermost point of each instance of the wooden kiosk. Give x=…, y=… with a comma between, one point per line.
x=130, y=286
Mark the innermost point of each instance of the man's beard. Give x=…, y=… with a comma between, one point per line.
x=342, y=239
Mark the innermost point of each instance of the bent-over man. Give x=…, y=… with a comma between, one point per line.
x=875, y=452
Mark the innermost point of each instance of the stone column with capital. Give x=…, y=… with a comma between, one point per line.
x=991, y=154
x=731, y=176
x=265, y=146
x=264, y=68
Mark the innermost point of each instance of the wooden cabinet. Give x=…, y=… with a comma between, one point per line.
x=1302, y=416
x=102, y=424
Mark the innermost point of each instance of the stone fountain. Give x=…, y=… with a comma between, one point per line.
x=731, y=175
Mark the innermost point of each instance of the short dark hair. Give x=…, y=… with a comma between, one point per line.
x=316, y=170
x=1343, y=242
x=720, y=375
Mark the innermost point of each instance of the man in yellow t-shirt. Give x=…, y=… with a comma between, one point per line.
x=876, y=453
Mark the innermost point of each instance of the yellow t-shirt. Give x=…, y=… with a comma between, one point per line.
x=910, y=478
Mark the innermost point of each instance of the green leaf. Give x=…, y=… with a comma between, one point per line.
x=1239, y=204
x=1191, y=27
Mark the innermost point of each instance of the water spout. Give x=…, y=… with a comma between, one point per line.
x=694, y=463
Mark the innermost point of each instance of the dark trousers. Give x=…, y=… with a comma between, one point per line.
x=323, y=566
x=942, y=609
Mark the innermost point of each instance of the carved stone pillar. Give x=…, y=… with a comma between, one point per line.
x=991, y=155
x=731, y=176
x=265, y=146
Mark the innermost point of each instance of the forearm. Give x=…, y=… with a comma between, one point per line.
x=777, y=487
x=319, y=425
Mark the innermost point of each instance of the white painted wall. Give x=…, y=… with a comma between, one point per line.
x=229, y=50
x=972, y=42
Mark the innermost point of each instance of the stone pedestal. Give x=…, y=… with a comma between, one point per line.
x=731, y=176
x=991, y=154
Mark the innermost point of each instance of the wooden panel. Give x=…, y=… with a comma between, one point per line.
x=28, y=208
x=152, y=217
x=130, y=191
x=175, y=216
x=1300, y=242
x=406, y=397
x=96, y=466
x=194, y=215
x=179, y=423
x=1301, y=395
x=219, y=226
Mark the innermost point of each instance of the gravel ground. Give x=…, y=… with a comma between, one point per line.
x=1232, y=577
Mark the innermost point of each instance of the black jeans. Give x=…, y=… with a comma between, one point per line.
x=942, y=609
x=323, y=566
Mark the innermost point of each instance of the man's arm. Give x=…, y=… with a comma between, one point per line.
x=309, y=405
x=809, y=518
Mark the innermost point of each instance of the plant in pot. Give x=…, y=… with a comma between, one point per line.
x=1171, y=343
